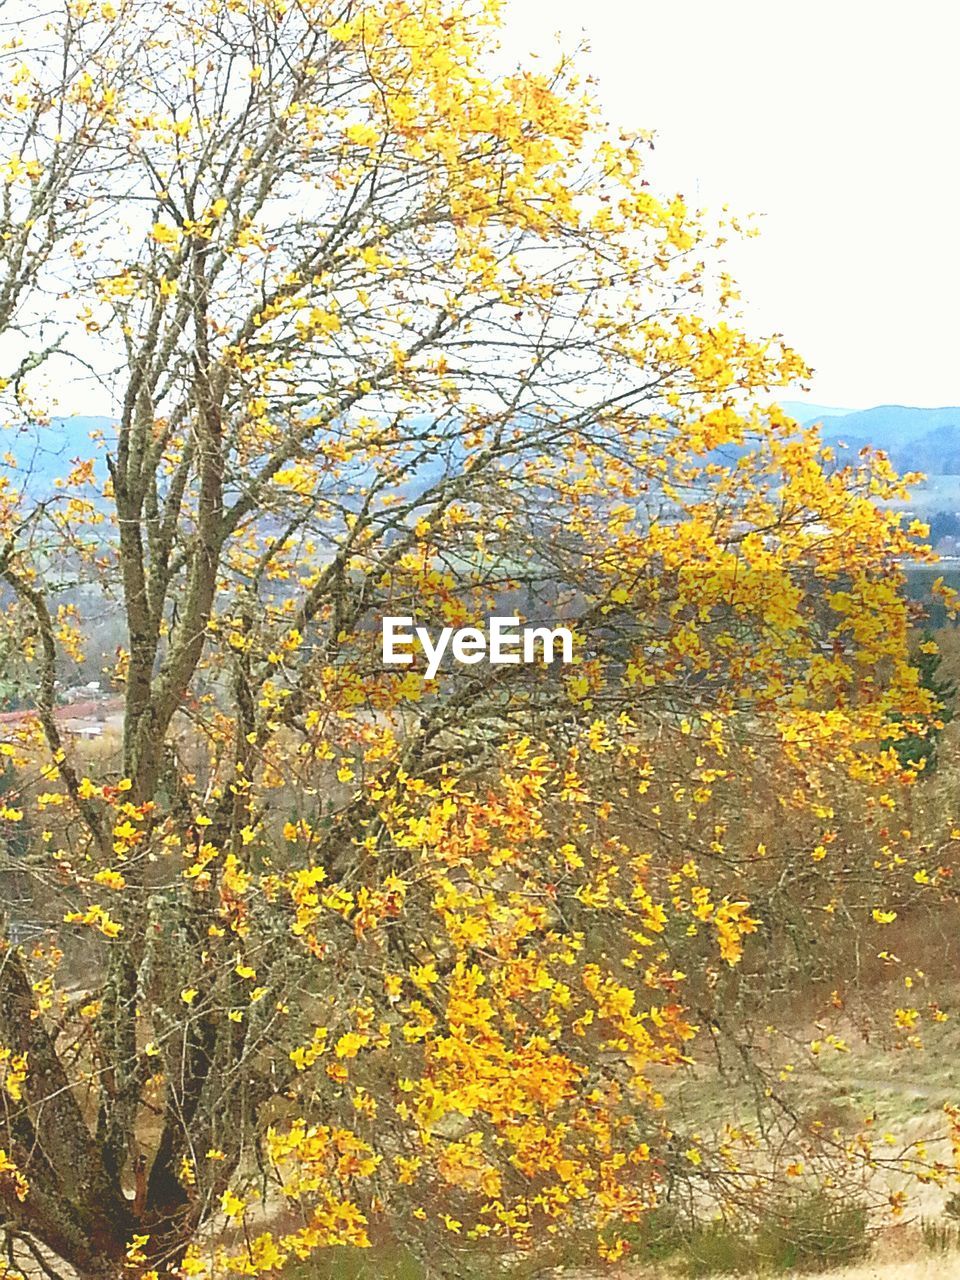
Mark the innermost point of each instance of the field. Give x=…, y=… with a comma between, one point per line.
x=936, y=493
x=895, y=1093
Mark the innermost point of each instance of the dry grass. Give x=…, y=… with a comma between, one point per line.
x=914, y=1264
x=939, y=1267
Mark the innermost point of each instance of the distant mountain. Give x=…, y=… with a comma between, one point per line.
x=891, y=425
x=807, y=413
x=925, y=440
x=36, y=457
x=44, y=454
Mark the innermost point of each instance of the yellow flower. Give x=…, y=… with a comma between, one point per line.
x=349, y=1045
x=110, y=879
x=362, y=135
x=165, y=235
x=231, y=1205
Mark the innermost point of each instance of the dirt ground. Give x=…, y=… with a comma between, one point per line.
x=941, y=1267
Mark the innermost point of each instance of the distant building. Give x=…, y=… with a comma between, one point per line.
x=83, y=729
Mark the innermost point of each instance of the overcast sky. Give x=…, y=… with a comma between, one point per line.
x=838, y=121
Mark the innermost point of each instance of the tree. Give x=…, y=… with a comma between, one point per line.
x=391, y=334
x=919, y=750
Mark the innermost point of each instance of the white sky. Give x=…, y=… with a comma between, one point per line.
x=838, y=121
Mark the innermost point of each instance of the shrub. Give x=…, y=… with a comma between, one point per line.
x=719, y=1248
x=938, y=1236
x=811, y=1232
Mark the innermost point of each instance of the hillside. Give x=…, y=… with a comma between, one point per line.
x=916, y=439
x=44, y=454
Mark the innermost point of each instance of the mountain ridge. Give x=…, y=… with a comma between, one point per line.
x=917, y=439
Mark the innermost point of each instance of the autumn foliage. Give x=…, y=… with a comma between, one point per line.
x=334, y=951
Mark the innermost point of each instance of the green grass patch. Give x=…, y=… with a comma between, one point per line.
x=805, y=1233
